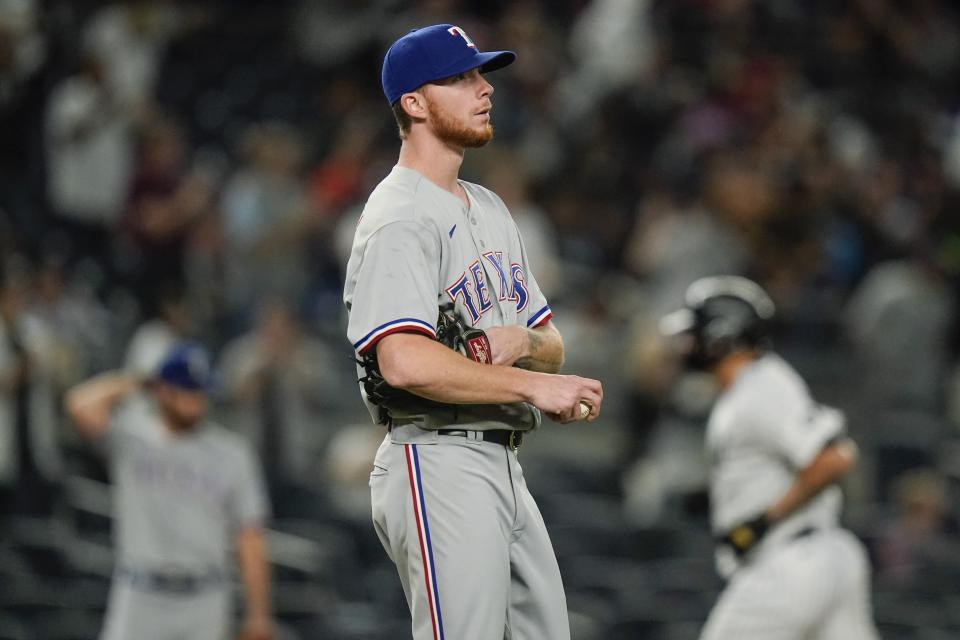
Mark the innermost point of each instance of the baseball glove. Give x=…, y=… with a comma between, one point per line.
x=453, y=333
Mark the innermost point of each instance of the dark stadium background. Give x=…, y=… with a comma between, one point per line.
x=811, y=145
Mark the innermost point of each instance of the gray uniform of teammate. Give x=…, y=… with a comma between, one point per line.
x=179, y=501
x=454, y=513
x=807, y=578
x=189, y=503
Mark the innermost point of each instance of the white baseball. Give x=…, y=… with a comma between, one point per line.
x=584, y=410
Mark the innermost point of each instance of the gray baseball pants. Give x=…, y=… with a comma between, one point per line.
x=151, y=615
x=474, y=558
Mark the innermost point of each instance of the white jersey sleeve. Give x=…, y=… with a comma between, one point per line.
x=786, y=419
x=394, y=283
x=802, y=439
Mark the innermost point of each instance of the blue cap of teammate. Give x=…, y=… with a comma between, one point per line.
x=187, y=366
x=433, y=53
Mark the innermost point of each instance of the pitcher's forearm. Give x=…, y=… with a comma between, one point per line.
x=430, y=370
x=545, y=351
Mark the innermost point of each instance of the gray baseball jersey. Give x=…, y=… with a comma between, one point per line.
x=453, y=511
x=416, y=247
x=763, y=430
x=179, y=502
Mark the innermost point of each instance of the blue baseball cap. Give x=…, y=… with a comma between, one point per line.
x=433, y=53
x=187, y=366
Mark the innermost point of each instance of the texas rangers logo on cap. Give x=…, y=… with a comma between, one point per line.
x=457, y=31
x=433, y=53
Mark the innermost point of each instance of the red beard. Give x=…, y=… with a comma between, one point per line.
x=456, y=134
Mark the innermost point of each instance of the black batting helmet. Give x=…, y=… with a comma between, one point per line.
x=722, y=314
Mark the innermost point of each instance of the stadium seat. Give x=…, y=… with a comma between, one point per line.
x=653, y=542
x=631, y=628
x=363, y=621
x=892, y=608
x=297, y=601
x=89, y=506
x=303, y=549
x=382, y=588
x=12, y=564
x=40, y=542
x=591, y=609
x=28, y=602
x=70, y=625
x=683, y=630
x=583, y=626
x=12, y=628
x=605, y=576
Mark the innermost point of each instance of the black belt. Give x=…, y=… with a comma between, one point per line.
x=506, y=437
x=803, y=533
x=171, y=582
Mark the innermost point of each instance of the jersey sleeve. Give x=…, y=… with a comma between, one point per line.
x=395, y=285
x=533, y=310
x=126, y=419
x=800, y=438
x=249, y=506
x=806, y=437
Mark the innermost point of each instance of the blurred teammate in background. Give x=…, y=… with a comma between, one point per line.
x=775, y=458
x=188, y=494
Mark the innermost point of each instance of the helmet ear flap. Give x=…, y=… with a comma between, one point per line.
x=718, y=337
x=710, y=340
x=725, y=324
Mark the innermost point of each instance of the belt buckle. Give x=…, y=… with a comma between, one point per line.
x=516, y=439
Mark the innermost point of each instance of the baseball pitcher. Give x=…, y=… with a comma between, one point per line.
x=458, y=359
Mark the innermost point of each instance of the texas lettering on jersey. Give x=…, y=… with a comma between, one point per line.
x=471, y=291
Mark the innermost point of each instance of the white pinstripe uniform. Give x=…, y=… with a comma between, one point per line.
x=454, y=513
x=808, y=579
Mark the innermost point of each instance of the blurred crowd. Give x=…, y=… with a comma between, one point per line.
x=195, y=169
